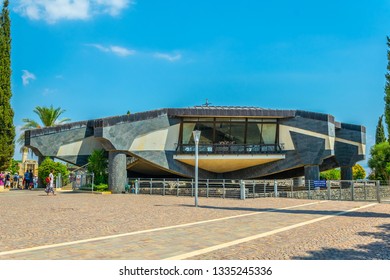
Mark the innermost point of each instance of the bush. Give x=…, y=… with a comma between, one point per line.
x=97, y=188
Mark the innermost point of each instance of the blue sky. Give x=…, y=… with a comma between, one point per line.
x=99, y=58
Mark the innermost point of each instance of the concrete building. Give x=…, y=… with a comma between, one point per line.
x=235, y=143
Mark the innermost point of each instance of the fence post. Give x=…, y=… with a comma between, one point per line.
x=163, y=187
x=340, y=192
x=276, y=188
x=242, y=189
x=207, y=188
x=223, y=186
x=378, y=191
x=177, y=185
x=308, y=191
x=93, y=180
x=328, y=187
x=137, y=185
x=58, y=181
x=364, y=189
x=192, y=187
x=151, y=185
x=353, y=191
x=254, y=188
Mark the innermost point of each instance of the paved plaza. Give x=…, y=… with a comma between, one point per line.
x=89, y=226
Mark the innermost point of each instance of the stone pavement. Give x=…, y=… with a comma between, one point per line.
x=86, y=226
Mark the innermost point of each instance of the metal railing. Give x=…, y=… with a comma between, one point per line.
x=246, y=189
x=230, y=149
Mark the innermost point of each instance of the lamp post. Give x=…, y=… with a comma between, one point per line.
x=196, y=134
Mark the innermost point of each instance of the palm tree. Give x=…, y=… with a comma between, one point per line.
x=48, y=116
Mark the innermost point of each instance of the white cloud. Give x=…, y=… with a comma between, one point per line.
x=56, y=10
x=168, y=57
x=121, y=51
x=49, y=91
x=117, y=50
x=113, y=7
x=27, y=76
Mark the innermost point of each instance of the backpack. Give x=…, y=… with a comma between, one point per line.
x=47, y=180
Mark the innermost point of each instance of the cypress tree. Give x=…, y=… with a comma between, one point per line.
x=7, y=128
x=387, y=90
x=380, y=132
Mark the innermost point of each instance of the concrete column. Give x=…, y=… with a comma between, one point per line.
x=346, y=173
x=117, y=174
x=312, y=172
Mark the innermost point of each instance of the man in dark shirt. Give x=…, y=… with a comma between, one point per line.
x=26, y=179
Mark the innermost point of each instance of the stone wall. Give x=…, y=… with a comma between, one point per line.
x=368, y=193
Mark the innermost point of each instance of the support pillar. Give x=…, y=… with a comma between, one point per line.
x=117, y=174
x=346, y=173
x=312, y=172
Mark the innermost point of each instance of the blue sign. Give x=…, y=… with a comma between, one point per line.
x=319, y=183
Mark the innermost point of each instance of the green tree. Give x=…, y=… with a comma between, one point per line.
x=387, y=90
x=332, y=174
x=380, y=161
x=14, y=167
x=48, y=117
x=98, y=163
x=7, y=128
x=48, y=164
x=358, y=172
x=380, y=131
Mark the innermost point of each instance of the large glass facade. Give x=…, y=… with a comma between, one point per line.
x=230, y=131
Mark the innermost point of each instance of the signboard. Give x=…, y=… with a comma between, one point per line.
x=320, y=184
x=78, y=181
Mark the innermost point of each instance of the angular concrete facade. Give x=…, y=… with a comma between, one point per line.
x=237, y=143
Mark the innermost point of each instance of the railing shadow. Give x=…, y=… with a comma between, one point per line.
x=299, y=212
x=377, y=250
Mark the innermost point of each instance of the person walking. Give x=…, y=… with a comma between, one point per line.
x=35, y=181
x=51, y=183
x=26, y=179
x=2, y=179
x=8, y=181
x=15, y=183
x=31, y=176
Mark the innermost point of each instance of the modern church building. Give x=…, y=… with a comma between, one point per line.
x=235, y=143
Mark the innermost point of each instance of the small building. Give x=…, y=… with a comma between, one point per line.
x=235, y=143
x=27, y=164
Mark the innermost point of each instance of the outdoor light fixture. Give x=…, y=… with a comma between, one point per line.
x=196, y=134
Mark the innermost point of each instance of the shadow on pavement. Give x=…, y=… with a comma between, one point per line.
x=297, y=211
x=378, y=250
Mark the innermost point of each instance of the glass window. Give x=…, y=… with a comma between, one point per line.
x=237, y=131
x=187, y=132
x=222, y=133
x=206, y=133
x=268, y=133
x=253, y=134
x=227, y=132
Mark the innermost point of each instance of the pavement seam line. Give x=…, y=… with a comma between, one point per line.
x=261, y=235
x=43, y=247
